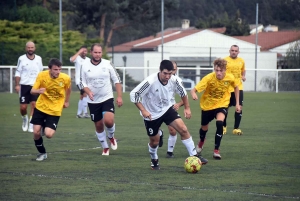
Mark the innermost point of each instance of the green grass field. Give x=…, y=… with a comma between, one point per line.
x=262, y=164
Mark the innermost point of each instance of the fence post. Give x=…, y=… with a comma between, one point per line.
x=124, y=82
x=277, y=81
x=11, y=79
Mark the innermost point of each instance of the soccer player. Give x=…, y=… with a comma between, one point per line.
x=153, y=97
x=54, y=88
x=236, y=66
x=96, y=75
x=214, y=101
x=29, y=66
x=172, y=132
x=77, y=59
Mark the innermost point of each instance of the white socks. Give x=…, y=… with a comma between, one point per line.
x=190, y=146
x=102, y=139
x=153, y=152
x=82, y=106
x=111, y=131
x=171, y=142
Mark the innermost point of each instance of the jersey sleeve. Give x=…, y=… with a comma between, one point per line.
x=82, y=82
x=19, y=68
x=37, y=82
x=41, y=67
x=114, y=74
x=203, y=83
x=180, y=90
x=139, y=91
x=68, y=83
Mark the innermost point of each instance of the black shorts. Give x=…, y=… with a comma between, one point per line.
x=153, y=126
x=232, y=99
x=43, y=119
x=209, y=115
x=25, y=95
x=81, y=90
x=97, y=110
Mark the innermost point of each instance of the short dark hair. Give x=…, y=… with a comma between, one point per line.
x=84, y=46
x=55, y=62
x=95, y=44
x=166, y=64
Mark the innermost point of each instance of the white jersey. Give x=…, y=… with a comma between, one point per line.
x=98, y=79
x=173, y=101
x=77, y=63
x=28, y=69
x=155, y=96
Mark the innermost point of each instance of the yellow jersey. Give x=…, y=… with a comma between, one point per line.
x=52, y=100
x=216, y=94
x=236, y=67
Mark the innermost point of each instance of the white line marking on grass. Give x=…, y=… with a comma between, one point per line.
x=152, y=184
x=24, y=155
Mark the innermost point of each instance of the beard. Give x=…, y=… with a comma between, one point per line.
x=30, y=53
x=96, y=61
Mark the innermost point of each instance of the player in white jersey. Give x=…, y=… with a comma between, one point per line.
x=29, y=66
x=172, y=132
x=78, y=59
x=95, y=78
x=153, y=97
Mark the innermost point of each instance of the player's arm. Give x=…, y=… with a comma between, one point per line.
x=73, y=58
x=35, y=90
x=237, y=98
x=18, y=76
x=144, y=112
x=117, y=81
x=244, y=72
x=187, y=109
x=68, y=93
x=201, y=86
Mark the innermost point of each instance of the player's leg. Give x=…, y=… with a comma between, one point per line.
x=97, y=118
x=80, y=104
x=152, y=128
x=206, y=117
x=231, y=103
x=33, y=99
x=84, y=106
x=238, y=116
x=108, y=110
x=220, y=116
x=37, y=120
x=171, y=142
x=161, y=137
x=24, y=100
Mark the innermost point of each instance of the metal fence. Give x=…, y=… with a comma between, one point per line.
x=272, y=80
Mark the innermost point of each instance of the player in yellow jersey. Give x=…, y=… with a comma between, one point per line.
x=54, y=88
x=235, y=66
x=214, y=102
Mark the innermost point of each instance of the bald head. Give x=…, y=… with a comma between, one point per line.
x=175, y=67
x=30, y=48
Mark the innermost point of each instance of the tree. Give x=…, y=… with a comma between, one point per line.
x=110, y=16
x=292, y=57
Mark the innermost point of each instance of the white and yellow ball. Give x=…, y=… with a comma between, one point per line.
x=192, y=164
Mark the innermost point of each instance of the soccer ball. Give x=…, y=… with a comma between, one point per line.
x=192, y=164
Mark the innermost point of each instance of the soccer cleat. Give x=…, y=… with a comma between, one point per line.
x=113, y=143
x=161, y=142
x=154, y=164
x=202, y=159
x=105, y=152
x=169, y=155
x=224, y=130
x=199, y=147
x=41, y=157
x=237, y=131
x=25, y=123
x=216, y=154
x=79, y=116
x=30, y=128
x=87, y=116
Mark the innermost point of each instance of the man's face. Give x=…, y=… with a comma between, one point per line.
x=165, y=75
x=30, y=48
x=84, y=53
x=234, y=51
x=220, y=73
x=55, y=71
x=96, y=53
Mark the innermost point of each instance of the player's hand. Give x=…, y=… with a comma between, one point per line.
x=17, y=88
x=187, y=113
x=176, y=106
x=238, y=108
x=119, y=101
x=91, y=95
x=146, y=115
x=194, y=96
x=66, y=104
x=243, y=78
x=42, y=90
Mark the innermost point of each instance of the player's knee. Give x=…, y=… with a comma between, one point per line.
x=204, y=127
x=23, y=107
x=172, y=131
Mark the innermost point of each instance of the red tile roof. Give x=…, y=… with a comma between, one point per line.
x=269, y=40
x=150, y=43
